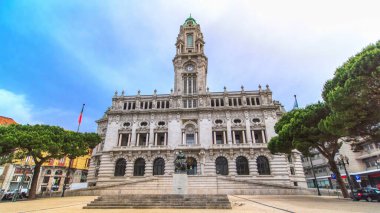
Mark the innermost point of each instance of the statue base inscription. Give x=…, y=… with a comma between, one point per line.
x=180, y=183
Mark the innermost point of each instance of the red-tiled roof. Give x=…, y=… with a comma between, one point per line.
x=6, y=121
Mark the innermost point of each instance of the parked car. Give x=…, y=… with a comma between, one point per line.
x=358, y=194
x=368, y=194
x=372, y=194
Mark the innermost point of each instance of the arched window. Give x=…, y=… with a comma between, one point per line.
x=58, y=172
x=120, y=167
x=139, y=169
x=242, y=166
x=221, y=165
x=263, y=165
x=158, y=166
x=191, y=166
x=48, y=172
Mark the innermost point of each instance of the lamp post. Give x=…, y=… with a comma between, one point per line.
x=343, y=160
x=315, y=178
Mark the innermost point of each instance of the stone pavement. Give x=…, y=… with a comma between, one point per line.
x=240, y=204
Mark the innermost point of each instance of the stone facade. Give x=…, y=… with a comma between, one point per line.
x=221, y=133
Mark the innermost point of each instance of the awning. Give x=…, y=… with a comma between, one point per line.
x=369, y=172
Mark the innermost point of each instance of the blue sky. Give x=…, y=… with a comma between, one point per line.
x=56, y=55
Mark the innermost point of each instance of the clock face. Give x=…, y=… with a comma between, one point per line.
x=190, y=67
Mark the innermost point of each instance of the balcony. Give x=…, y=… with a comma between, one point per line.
x=368, y=153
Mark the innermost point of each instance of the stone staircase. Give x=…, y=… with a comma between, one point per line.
x=161, y=201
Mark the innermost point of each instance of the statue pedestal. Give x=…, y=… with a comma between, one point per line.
x=180, y=184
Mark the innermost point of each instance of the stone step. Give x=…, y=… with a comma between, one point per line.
x=169, y=201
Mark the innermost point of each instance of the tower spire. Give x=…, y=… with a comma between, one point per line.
x=295, y=106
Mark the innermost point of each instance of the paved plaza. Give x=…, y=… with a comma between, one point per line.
x=240, y=203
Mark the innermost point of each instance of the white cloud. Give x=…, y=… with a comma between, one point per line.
x=15, y=106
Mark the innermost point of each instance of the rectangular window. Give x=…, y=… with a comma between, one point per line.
x=190, y=139
x=190, y=40
x=221, y=102
x=124, y=140
x=219, y=138
x=257, y=101
x=46, y=179
x=258, y=136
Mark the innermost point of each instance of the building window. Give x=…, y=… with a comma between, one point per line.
x=242, y=166
x=190, y=139
x=83, y=177
x=143, y=139
x=258, y=136
x=221, y=165
x=292, y=172
x=190, y=84
x=160, y=139
x=48, y=172
x=190, y=40
x=46, y=179
x=290, y=160
x=120, y=166
x=219, y=137
x=58, y=172
x=263, y=165
x=191, y=166
x=139, y=168
x=125, y=139
x=158, y=166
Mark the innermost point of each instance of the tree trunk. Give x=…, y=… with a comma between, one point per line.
x=33, y=187
x=334, y=168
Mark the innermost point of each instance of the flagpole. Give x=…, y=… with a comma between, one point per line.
x=71, y=160
x=80, y=117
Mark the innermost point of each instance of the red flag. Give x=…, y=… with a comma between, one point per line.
x=80, y=116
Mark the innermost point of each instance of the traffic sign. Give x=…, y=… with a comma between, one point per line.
x=333, y=176
x=358, y=178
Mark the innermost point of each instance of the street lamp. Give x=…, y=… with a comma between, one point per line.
x=343, y=160
x=315, y=178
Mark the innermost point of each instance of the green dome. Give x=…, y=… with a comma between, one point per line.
x=190, y=21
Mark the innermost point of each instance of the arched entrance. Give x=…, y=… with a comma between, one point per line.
x=191, y=166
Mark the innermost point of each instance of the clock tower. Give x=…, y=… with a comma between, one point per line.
x=190, y=62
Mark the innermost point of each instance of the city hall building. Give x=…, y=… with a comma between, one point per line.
x=224, y=135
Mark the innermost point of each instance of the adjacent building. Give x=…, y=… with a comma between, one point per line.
x=363, y=161
x=52, y=175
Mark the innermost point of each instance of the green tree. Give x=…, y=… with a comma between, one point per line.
x=301, y=129
x=43, y=142
x=353, y=95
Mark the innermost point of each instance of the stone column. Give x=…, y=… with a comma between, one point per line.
x=129, y=139
x=231, y=167
x=165, y=142
x=263, y=134
x=133, y=139
x=214, y=138
x=253, y=136
x=155, y=139
x=183, y=138
x=229, y=138
x=138, y=139
x=248, y=131
x=151, y=132
x=233, y=137
x=224, y=137
x=129, y=169
x=147, y=139
x=196, y=138
x=119, y=141
x=148, y=168
x=243, y=132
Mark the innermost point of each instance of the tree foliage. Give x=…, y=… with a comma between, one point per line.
x=43, y=142
x=301, y=129
x=354, y=96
